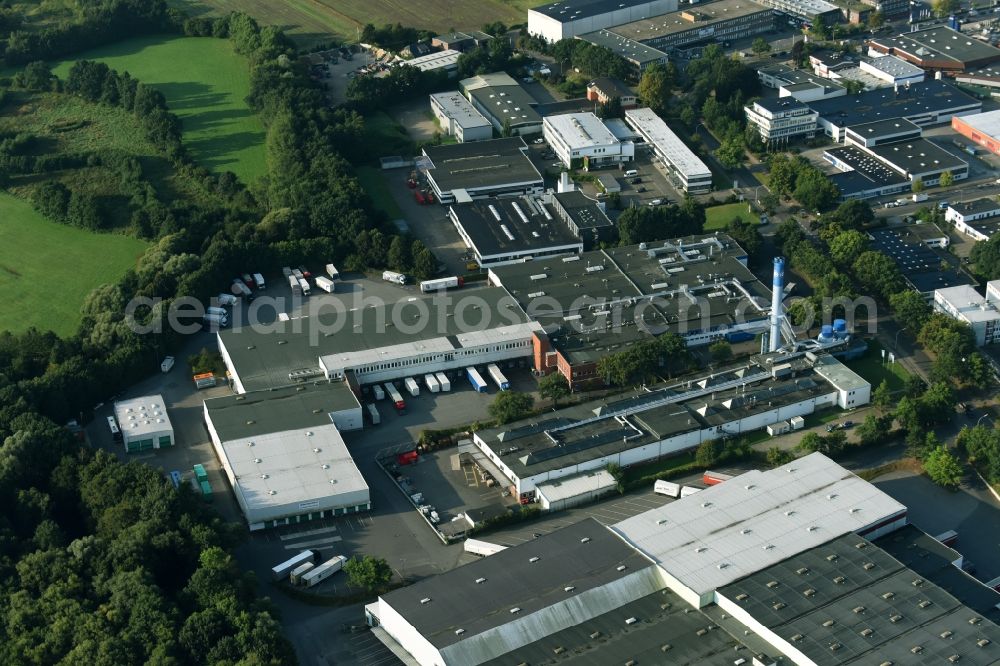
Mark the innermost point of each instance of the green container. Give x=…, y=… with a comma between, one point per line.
x=199, y=473
x=206, y=490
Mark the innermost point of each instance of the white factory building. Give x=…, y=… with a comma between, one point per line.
x=966, y=305
x=459, y=118
x=444, y=61
x=892, y=70
x=144, y=424
x=582, y=139
x=802, y=564
x=283, y=454
x=571, y=18
x=683, y=165
x=978, y=219
x=667, y=420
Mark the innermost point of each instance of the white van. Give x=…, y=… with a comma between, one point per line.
x=631, y=172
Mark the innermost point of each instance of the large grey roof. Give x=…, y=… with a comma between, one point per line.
x=912, y=102
x=918, y=156
x=479, y=164
x=501, y=227
x=573, y=10
x=849, y=602
x=633, y=51
x=276, y=410
x=584, y=556
x=755, y=520
x=940, y=43
x=919, y=264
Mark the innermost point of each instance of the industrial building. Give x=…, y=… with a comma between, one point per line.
x=967, y=305
x=443, y=61
x=602, y=301
x=467, y=171
x=869, y=135
x=916, y=251
x=937, y=49
x=666, y=420
x=459, y=118
x=723, y=20
x=585, y=218
x=977, y=219
x=929, y=103
x=581, y=139
x=892, y=70
x=810, y=10
x=572, y=18
x=890, y=8
x=503, y=102
x=604, y=89
x=920, y=159
x=503, y=231
x=781, y=119
x=862, y=176
x=282, y=452
x=803, y=564
x=688, y=171
x=144, y=424
x=638, y=55
x=461, y=41
x=982, y=128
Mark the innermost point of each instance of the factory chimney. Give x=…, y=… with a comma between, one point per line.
x=778, y=292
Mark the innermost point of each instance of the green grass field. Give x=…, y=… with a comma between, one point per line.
x=872, y=368
x=374, y=184
x=717, y=217
x=205, y=84
x=47, y=269
x=311, y=22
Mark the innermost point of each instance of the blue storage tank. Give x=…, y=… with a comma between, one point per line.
x=826, y=331
x=839, y=328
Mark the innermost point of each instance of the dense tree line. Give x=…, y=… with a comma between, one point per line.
x=590, y=58
x=393, y=37
x=368, y=92
x=982, y=445
x=98, y=22
x=645, y=361
x=794, y=176
x=640, y=224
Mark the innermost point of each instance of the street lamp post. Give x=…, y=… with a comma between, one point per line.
x=895, y=343
x=984, y=416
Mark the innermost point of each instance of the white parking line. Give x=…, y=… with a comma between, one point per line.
x=316, y=542
x=307, y=533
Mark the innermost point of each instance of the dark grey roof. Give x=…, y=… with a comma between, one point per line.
x=918, y=156
x=918, y=100
x=507, y=102
x=635, y=52
x=457, y=601
x=780, y=104
x=264, y=355
x=940, y=43
x=478, y=164
x=611, y=87
x=667, y=631
x=585, y=213
x=850, y=602
x=277, y=410
x=538, y=231
x=887, y=127
x=919, y=264
x=976, y=206
x=568, y=10
x=868, y=173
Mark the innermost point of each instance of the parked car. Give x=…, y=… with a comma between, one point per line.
x=539, y=141
x=640, y=189
x=248, y=280
x=636, y=180
x=656, y=202
x=847, y=424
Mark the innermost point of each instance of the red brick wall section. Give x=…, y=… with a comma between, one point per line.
x=968, y=132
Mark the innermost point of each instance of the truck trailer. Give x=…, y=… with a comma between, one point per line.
x=482, y=548
x=498, y=377
x=440, y=284
x=323, y=571
x=285, y=568
x=432, y=383
x=373, y=413
x=690, y=490
x=379, y=393
x=326, y=284
x=412, y=386
x=476, y=379
x=443, y=380
x=217, y=320
x=259, y=279
x=667, y=488
x=304, y=286
x=296, y=576
x=332, y=272
x=394, y=395
x=395, y=278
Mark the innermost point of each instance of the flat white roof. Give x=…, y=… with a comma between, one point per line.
x=987, y=123
x=967, y=301
x=838, y=374
x=293, y=472
x=894, y=66
x=455, y=106
x=755, y=520
x=446, y=58
x=145, y=415
x=572, y=486
x=581, y=130
x=656, y=132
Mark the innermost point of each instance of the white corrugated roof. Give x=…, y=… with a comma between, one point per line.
x=987, y=123
x=426, y=63
x=655, y=131
x=572, y=486
x=581, y=130
x=755, y=520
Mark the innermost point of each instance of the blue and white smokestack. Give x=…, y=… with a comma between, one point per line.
x=777, y=293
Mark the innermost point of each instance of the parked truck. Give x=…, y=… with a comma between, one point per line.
x=919, y=196
x=482, y=548
x=323, y=571
x=296, y=576
x=412, y=386
x=332, y=272
x=394, y=395
x=373, y=413
x=242, y=288
x=443, y=380
x=217, y=311
x=204, y=380
x=395, y=278
x=293, y=282
x=228, y=299
x=285, y=568
x=476, y=379
x=326, y=284
x=216, y=320
x=667, y=488
x=432, y=383
x=304, y=286
x=167, y=364
x=440, y=284
x=498, y=377
x=259, y=279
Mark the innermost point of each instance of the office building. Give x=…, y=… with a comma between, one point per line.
x=467, y=171
x=459, y=118
x=782, y=119
x=685, y=168
x=967, y=305
x=582, y=140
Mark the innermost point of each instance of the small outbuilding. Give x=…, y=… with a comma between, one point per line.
x=144, y=424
